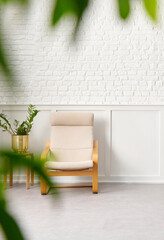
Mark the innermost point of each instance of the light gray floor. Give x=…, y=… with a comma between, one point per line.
x=118, y=212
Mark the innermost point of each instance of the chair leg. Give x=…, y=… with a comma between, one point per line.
x=43, y=187
x=32, y=177
x=95, y=179
x=32, y=172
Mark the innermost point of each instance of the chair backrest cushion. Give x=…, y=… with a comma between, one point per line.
x=72, y=135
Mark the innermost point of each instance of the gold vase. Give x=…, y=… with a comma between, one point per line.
x=20, y=143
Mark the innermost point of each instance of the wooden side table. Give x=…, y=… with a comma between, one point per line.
x=27, y=154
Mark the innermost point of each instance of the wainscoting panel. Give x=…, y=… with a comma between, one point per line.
x=131, y=139
x=135, y=143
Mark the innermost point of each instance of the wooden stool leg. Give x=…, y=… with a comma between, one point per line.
x=32, y=172
x=27, y=178
x=32, y=177
x=11, y=177
x=5, y=181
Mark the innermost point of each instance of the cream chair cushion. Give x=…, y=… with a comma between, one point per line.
x=69, y=165
x=71, y=119
x=71, y=140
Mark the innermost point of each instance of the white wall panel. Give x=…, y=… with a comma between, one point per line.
x=135, y=143
x=40, y=131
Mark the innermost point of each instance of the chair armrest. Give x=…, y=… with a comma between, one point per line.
x=95, y=151
x=46, y=150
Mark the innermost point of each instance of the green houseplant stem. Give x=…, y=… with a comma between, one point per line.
x=20, y=128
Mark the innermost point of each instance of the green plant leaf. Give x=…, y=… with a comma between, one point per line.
x=4, y=117
x=6, y=125
x=4, y=63
x=124, y=8
x=2, y=197
x=15, y=1
x=4, y=60
x=151, y=8
x=9, y=226
x=64, y=7
x=9, y=158
x=16, y=123
x=25, y=127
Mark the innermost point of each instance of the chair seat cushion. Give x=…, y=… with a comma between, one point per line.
x=69, y=165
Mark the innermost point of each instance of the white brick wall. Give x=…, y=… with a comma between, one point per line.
x=111, y=63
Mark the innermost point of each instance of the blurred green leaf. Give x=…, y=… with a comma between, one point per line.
x=64, y=7
x=151, y=8
x=16, y=1
x=4, y=63
x=7, y=222
x=9, y=226
x=124, y=8
x=10, y=158
x=2, y=197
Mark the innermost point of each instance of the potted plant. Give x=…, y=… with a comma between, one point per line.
x=20, y=134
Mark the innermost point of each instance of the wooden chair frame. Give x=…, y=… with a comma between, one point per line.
x=89, y=172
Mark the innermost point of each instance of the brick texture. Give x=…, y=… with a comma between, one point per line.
x=112, y=62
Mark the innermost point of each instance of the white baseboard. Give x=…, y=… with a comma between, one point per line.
x=22, y=179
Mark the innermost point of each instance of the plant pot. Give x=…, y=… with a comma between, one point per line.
x=20, y=143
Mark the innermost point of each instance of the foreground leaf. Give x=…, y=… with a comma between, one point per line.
x=124, y=8
x=9, y=158
x=15, y=1
x=151, y=8
x=9, y=226
x=4, y=63
x=64, y=7
x=2, y=197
